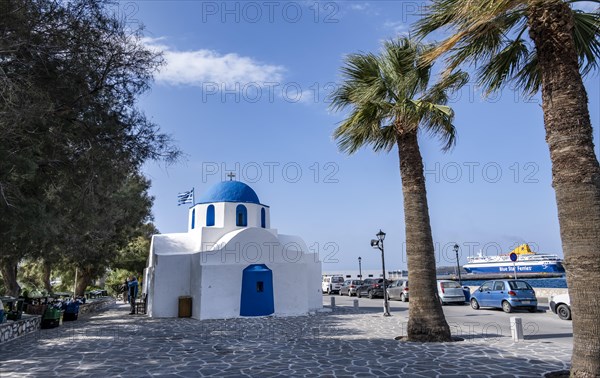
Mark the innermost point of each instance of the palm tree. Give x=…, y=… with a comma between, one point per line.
x=544, y=45
x=390, y=100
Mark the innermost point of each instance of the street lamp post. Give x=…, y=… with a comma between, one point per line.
x=378, y=243
x=359, y=268
x=457, y=264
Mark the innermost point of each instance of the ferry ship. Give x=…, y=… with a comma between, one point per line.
x=527, y=262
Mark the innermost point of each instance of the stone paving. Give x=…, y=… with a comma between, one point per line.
x=342, y=343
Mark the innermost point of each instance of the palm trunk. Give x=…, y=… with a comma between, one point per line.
x=426, y=321
x=8, y=268
x=575, y=174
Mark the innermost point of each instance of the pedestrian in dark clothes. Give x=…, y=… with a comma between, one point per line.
x=133, y=290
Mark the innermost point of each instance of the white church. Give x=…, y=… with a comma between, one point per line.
x=231, y=262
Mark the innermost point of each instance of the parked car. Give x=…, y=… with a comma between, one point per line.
x=450, y=292
x=505, y=294
x=371, y=287
x=561, y=306
x=332, y=284
x=349, y=287
x=398, y=290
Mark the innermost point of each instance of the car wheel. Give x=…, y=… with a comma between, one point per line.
x=506, y=307
x=370, y=294
x=441, y=301
x=532, y=309
x=340, y=292
x=403, y=298
x=349, y=293
x=564, y=312
x=358, y=294
x=474, y=304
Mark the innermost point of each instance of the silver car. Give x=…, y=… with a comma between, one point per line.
x=398, y=290
x=450, y=292
x=349, y=287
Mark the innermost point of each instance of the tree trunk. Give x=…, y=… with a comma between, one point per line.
x=426, y=321
x=47, y=271
x=83, y=281
x=8, y=268
x=575, y=174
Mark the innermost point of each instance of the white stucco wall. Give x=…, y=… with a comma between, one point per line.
x=221, y=291
x=171, y=280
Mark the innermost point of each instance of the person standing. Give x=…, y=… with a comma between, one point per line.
x=133, y=290
x=125, y=290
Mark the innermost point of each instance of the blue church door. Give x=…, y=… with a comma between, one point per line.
x=257, y=291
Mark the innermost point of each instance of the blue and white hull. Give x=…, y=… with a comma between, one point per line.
x=521, y=266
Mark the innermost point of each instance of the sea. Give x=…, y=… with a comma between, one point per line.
x=534, y=282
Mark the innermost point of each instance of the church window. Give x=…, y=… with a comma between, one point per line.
x=210, y=215
x=241, y=216
x=193, y=218
x=263, y=218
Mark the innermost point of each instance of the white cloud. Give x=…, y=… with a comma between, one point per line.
x=586, y=6
x=366, y=8
x=399, y=27
x=359, y=7
x=199, y=67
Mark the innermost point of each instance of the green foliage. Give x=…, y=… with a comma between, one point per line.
x=390, y=94
x=492, y=35
x=115, y=280
x=134, y=255
x=72, y=139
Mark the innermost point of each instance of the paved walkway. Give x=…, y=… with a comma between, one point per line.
x=342, y=343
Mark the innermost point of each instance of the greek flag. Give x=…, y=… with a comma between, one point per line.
x=185, y=197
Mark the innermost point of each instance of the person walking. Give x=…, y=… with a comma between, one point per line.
x=133, y=290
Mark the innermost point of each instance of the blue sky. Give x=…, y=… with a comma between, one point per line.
x=244, y=90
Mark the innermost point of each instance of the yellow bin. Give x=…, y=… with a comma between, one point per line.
x=185, y=307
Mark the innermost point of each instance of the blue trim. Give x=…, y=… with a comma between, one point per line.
x=241, y=216
x=210, y=215
x=230, y=191
x=263, y=218
x=193, y=218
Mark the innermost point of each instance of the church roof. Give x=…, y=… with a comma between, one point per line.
x=230, y=191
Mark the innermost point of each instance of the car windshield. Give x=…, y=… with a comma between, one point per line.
x=357, y=282
x=519, y=285
x=450, y=285
x=337, y=279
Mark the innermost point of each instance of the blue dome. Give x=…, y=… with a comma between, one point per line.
x=230, y=191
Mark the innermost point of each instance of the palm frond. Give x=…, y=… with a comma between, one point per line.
x=503, y=67
x=586, y=33
x=391, y=91
x=493, y=33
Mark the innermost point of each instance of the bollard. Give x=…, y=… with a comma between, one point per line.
x=332, y=302
x=355, y=302
x=516, y=328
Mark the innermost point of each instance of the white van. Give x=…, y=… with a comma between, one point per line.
x=332, y=284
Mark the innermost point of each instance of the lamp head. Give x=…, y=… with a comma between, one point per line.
x=455, y=247
x=359, y=258
x=374, y=243
x=380, y=235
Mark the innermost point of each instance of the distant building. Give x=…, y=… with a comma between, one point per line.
x=231, y=262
